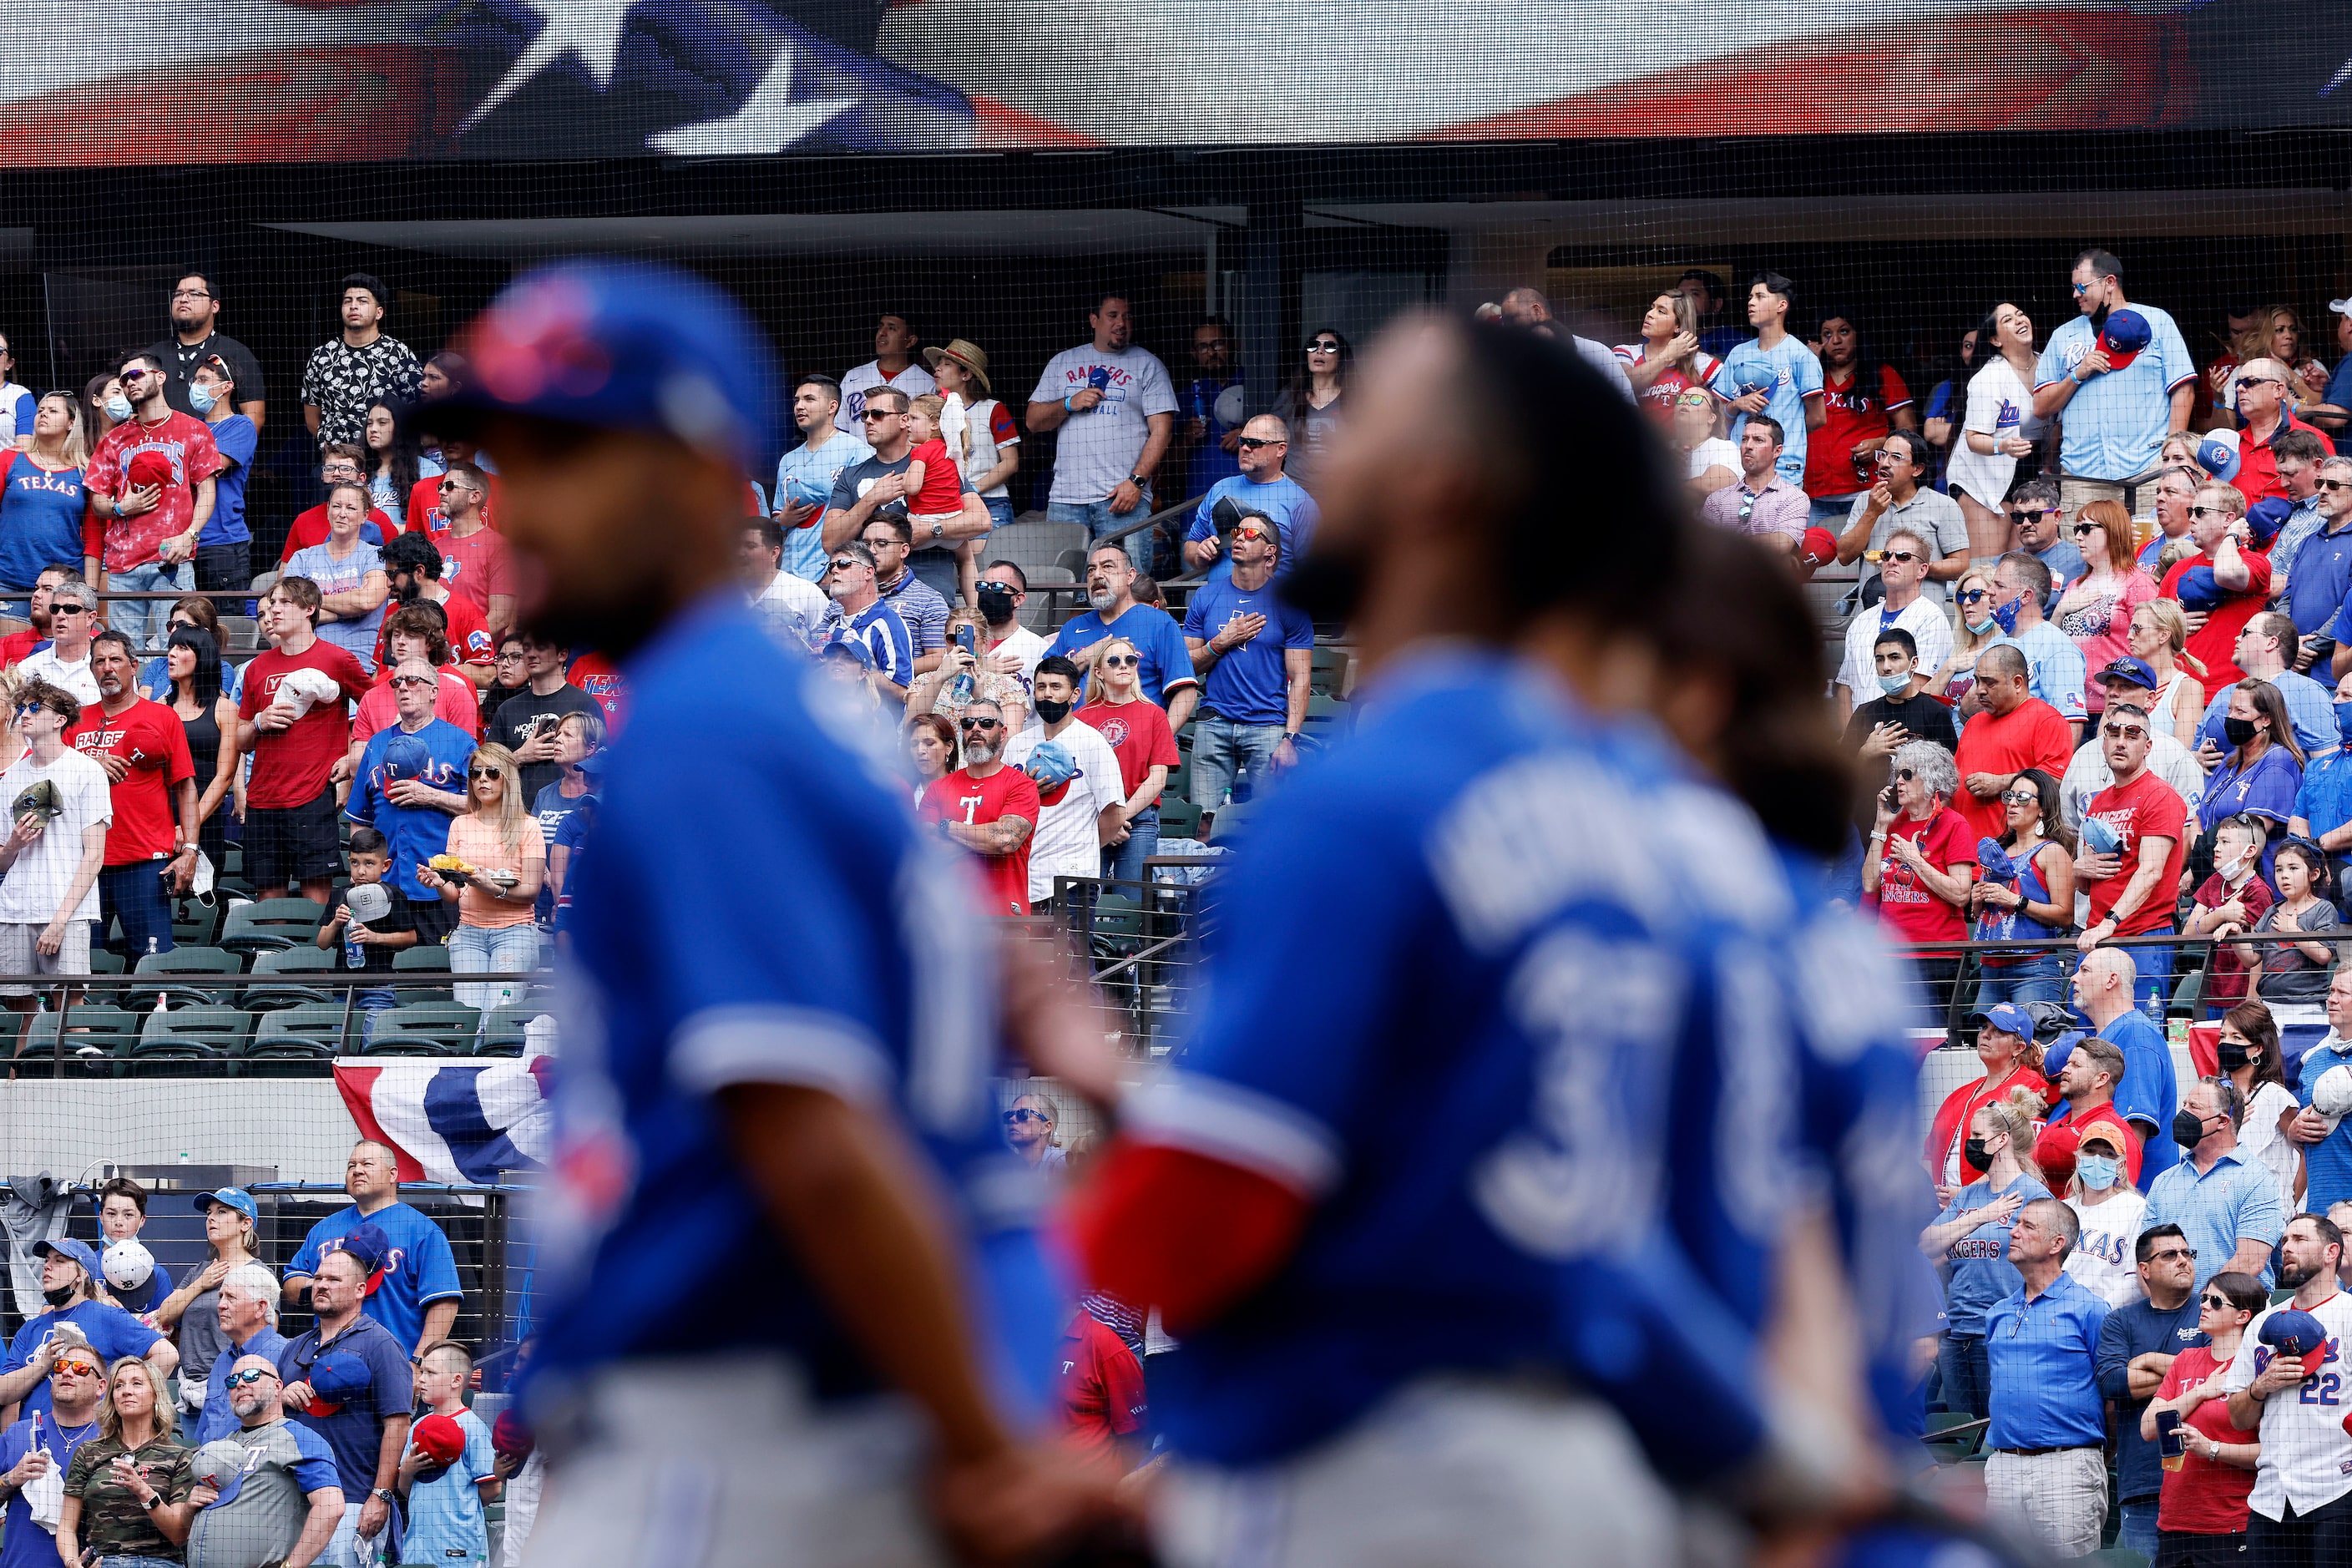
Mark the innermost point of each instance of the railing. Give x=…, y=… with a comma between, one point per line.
x=1943, y=1001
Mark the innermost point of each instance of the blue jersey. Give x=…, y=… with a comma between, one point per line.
x=40, y=520
x=1471, y=868
x=25, y=1544
x=238, y=440
x=1167, y=663
x=2150, y=1091
x=445, y=1524
x=795, y=927
x=417, y=1272
x=2325, y=799
x=2113, y=426
x=412, y=834
x=1284, y=499
x=1796, y=376
x=552, y=809
x=1249, y=684
x=804, y=477
x=352, y=1426
x=112, y=1333
x=2328, y=1162
x=879, y=630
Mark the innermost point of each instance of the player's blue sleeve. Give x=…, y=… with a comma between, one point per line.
x=2173, y=353
x=437, y=1271
x=1175, y=657
x=1807, y=373
x=314, y=1468
x=1201, y=527
x=25, y=411
x=1196, y=617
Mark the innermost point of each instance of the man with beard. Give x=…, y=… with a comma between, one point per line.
x=1166, y=673
x=144, y=750
x=269, y=1491
x=989, y=808
x=414, y=563
x=2120, y=397
x=2301, y=1517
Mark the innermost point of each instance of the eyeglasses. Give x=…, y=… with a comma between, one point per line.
x=878, y=414
x=76, y=1366
x=884, y=544
x=1251, y=443
x=2123, y=732
x=979, y=723
x=1123, y=660
x=510, y=659
x=2209, y=511
x=2172, y=1255
x=2082, y=528
x=239, y=1379
x=1973, y=595
x=2020, y=798
x=1903, y=555
x=2336, y=484
x=190, y=294
x=1322, y=346
x=1015, y=1118
x=423, y=680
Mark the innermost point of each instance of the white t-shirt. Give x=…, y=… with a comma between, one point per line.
x=2259, y=1139
x=1098, y=449
x=1715, y=452
x=2306, y=1454
x=1929, y=624
x=35, y=885
x=1067, y=843
x=75, y=678
x=914, y=380
x=2102, y=1262
x=1998, y=405
x=981, y=449
x=1025, y=646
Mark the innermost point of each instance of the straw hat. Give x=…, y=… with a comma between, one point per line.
x=967, y=353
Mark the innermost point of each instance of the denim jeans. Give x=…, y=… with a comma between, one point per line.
x=1830, y=512
x=1967, y=1369
x=1100, y=520
x=1230, y=755
x=491, y=950
x=2136, y=1527
x=1000, y=511
x=1125, y=864
x=2036, y=979
x=366, y=1005
x=224, y=565
x=134, y=618
x=134, y=895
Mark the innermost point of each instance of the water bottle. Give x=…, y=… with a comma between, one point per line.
x=354, y=954
x=963, y=687
x=163, y=1000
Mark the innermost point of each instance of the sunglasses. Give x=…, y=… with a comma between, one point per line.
x=1251, y=443
x=2336, y=484
x=2020, y=798
x=239, y=1379
x=1321, y=346
x=69, y=610
x=76, y=1366
x=1905, y=774
x=845, y=565
x=2219, y=1304
x=979, y=723
x=1123, y=660
x=2082, y=528
x=2123, y=732
x=1973, y=595
x=2260, y=381
x=2207, y=511
x=449, y=484
x=414, y=681
x=1904, y=555
x=1015, y=1118
x=878, y=414
x=2085, y=288
x=2172, y=1255
x=483, y=773
x=2024, y=517
x=128, y=376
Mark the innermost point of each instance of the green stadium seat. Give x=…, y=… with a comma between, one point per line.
x=192, y=1034
x=425, y=955
x=1229, y=820
x=272, y=922
x=179, y=963
x=195, y=924
x=95, y=1034
x=1330, y=677
x=411, y=962
x=1179, y=818
x=425, y=1030
x=102, y=961
x=503, y=1035
x=309, y=1031
x=290, y=961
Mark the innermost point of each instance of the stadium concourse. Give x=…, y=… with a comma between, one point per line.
x=2042, y=667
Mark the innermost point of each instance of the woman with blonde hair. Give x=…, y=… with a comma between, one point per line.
x=41, y=498
x=1145, y=746
x=1667, y=358
x=2159, y=636
x=194, y=1310
x=2096, y=609
x=1972, y=1235
x=1972, y=595
x=499, y=859
x=127, y=1489
x=2276, y=334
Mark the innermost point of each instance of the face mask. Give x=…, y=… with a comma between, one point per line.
x=1978, y=1156
x=2005, y=616
x=2098, y=1171
x=200, y=397
x=2231, y=1054
x=2344, y=719
x=1052, y=713
x=996, y=604
x=2188, y=1128
x=1894, y=685
x=118, y=408
x=1982, y=627
x=58, y=1296
x=2238, y=731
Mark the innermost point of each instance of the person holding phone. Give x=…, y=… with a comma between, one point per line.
x=526, y=722
x=2209, y=1463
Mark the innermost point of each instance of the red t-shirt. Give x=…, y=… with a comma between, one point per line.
x=1139, y=736
x=1852, y=416
x=1102, y=1388
x=291, y=765
x=2217, y=639
x=2258, y=465
x=2147, y=807
x=1903, y=901
x=942, y=488
x=455, y=701
x=1948, y=1136
x=2204, y=1497
x=424, y=513
x=177, y=453
x=2030, y=735
x=469, y=634
x=2225, y=972
x=475, y=567
x=1007, y=792
x=150, y=737
x=311, y=528
x=17, y=646
x=593, y=674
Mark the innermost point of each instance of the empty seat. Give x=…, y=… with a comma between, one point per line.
x=306, y=1032
x=289, y=993
x=425, y=1029
x=272, y=922
x=193, y=1034
x=178, y=964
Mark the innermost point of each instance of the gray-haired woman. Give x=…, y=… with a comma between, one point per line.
x=1919, y=863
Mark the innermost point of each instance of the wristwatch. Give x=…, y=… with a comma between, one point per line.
x=1290, y=735
x=1138, y=481
x=385, y=1493
x=939, y=530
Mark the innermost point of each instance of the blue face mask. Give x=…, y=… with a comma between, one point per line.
x=1893, y=685
x=118, y=408
x=2099, y=1172
x=2344, y=719
x=200, y=397
x=2005, y=616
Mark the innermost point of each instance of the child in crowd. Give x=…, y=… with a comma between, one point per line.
x=368, y=944
x=935, y=489
x=448, y=1473
x=121, y=1215
x=2228, y=903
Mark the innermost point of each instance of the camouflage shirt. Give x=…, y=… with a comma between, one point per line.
x=111, y=1520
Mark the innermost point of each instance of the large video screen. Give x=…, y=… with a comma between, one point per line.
x=110, y=82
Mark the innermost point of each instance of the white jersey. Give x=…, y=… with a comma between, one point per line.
x=1067, y=842
x=793, y=605
x=2306, y=1454
x=2101, y=1261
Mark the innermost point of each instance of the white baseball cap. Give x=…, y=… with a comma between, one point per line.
x=2341, y=307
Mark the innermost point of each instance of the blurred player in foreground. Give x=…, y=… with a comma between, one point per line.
x=798, y=1307
x=1411, y=1199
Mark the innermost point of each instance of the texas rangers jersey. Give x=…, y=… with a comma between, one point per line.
x=2306, y=1454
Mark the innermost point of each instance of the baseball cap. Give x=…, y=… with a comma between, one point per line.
x=2055, y=1152
x=2008, y=1018
x=1996, y=863
x=2056, y=1049
x=2341, y=307
x=848, y=649
x=236, y=1198
x=1754, y=375
x=2103, y=1134
x=1821, y=547
x=510, y=1436
x=2217, y=454
x=2199, y=590
x=2266, y=517
x=335, y=1378
x=406, y=756
x=371, y=1247
x=1051, y=765
x=2295, y=1332
x=620, y=345
x=439, y=1439
x=2126, y=333
x=78, y=1251
x=2136, y=671
x=2099, y=836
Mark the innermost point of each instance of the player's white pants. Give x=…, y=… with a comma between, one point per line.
x=724, y=1463
x=1444, y=1474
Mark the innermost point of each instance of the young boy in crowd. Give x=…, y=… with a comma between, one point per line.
x=121, y=1215
x=2228, y=902
x=935, y=489
x=368, y=944
x=448, y=1473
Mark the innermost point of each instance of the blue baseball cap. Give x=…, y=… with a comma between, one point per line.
x=236, y=1198
x=1754, y=375
x=2297, y=1333
x=2217, y=454
x=368, y=1245
x=2265, y=518
x=1051, y=765
x=619, y=345
x=2008, y=1018
x=406, y=756
x=849, y=648
x=2138, y=672
x=2126, y=333
x=1996, y=862
x=334, y=1378
x=2199, y=590
x=78, y=1250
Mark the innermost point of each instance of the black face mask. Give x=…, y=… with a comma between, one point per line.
x=2231, y=1056
x=2238, y=730
x=2188, y=1128
x=995, y=603
x=1052, y=713
x=58, y=1296
x=2099, y=319
x=1325, y=586
x=1978, y=1156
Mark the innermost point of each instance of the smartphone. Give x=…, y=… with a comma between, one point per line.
x=545, y=724
x=1886, y=797
x=2172, y=1444
x=966, y=639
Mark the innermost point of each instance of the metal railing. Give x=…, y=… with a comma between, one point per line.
x=1138, y=944
x=1942, y=1001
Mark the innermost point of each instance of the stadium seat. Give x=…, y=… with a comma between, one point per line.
x=1330, y=677
x=425, y=1030
x=425, y=955
x=182, y=961
x=192, y=1034
x=420, y=960
x=1327, y=717
x=503, y=1035
x=310, y=1031
x=102, y=962
x=195, y=924
x=96, y=1034
x=1179, y=818
x=1229, y=821
x=272, y=922
x=243, y=633
x=263, y=998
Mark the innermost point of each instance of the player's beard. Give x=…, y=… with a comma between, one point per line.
x=978, y=754
x=2293, y=1275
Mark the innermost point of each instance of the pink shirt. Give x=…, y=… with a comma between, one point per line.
x=2101, y=627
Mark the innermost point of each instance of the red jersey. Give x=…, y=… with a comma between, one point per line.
x=2060, y=1143
x=151, y=738
x=475, y=567
x=455, y=701
x=311, y=528
x=1657, y=399
x=593, y=674
x=2258, y=463
x=1853, y=415
x=469, y=634
x=1102, y=1388
x=1007, y=792
x=291, y=765
x=2204, y=1497
x=17, y=646
x=1904, y=902
x=424, y=513
x=1139, y=736
x=2147, y=807
x=942, y=492
x=2030, y=735
x=2225, y=972
x=2217, y=639
x=1948, y=1136
x=176, y=453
